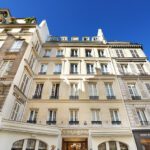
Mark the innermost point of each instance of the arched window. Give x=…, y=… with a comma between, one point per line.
x=113, y=145
x=30, y=144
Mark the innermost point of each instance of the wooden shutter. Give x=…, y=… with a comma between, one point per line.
x=124, y=89
x=142, y=89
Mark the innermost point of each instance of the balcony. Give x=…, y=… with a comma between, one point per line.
x=36, y=96
x=136, y=97
x=89, y=55
x=54, y=97
x=59, y=55
x=46, y=56
x=73, y=122
x=42, y=73
x=31, y=121
x=74, y=97
x=51, y=122
x=96, y=122
x=145, y=123
x=105, y=73
x=88, y=72
x=72, y=72
x=74, y=55
x=116, y=122
x=94, y=97
x=111, y=97
x=57, y=72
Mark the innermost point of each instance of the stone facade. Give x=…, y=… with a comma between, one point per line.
x=70, y=94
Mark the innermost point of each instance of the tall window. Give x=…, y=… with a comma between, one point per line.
x=38, y=91
x=133, y=91
x=115, y=116
x=74, y=91
x=5, y=67
x=1, y=43
x=16, y=46
x=134, y=53
x=74, y=116
x=124, y=68
x=59, y=53
x=31, y=61
x=47, y=53
x=119, y=53
x=24, y=83
x=96, y=116
x=109, y=91
x=55, y=91
x=74, y=53
x=43, y=69
x=101, y=53
x=148, y=86
x=88, y=53
x=15, y=112
x=31, y=144
x=57, y=69
x=93, y=91
x=33, y=116
x=73, y=68
x=140, y=68
x=90, y=68
x=51, y=116
x=142, y=116
x=104, y=68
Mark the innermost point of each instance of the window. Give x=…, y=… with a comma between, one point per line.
x=57, y=69
x=142, y=116
x=16, y=46
x=38, y=91
x=43, y=69
x=47, y=53
x=124, y=68
x=134, y=53
x=1, y=43
x=96, y=116
x=51, y=116
x=31, y=144
x=148, y=86
x=33, y=116
x=133, y=91
x=74, y=91
x=5, y=67
x=119, y=53
x=101, y=53
x=140, y=68
x=59, y=53
x=31, y=61
x=88, y=53
x=74, y=68
x=113, y=145
x=74, y=53
x=93, y=91
x=24, y=83
x=115, y=116
x=55, y=91
x=74, y=116
x=104, y=68
x=90, y=68
x=109, y=91
x=15, y=111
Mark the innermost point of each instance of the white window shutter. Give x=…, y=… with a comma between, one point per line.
x=135, y=117
x=133, y=68
x=119, y=68
x=124, y=89
x=146, y=67
x=142, y=89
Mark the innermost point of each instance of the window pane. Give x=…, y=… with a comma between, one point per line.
x=112, y=145
x=102, y=146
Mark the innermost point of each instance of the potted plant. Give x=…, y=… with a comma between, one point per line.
x=30, y=20
x=53, y=147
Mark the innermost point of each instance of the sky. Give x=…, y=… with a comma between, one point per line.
x=120, y=20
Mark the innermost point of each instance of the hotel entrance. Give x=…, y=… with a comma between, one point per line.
x=75, y=144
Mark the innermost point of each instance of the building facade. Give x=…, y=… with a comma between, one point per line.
x=70, y=94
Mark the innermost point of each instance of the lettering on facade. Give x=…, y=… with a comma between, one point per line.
x=74, y=132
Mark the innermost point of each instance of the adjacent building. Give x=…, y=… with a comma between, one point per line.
x=60, y=93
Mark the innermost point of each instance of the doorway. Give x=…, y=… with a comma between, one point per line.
x=75, y=144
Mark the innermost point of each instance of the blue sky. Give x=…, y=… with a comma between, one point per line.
x=121, y=20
